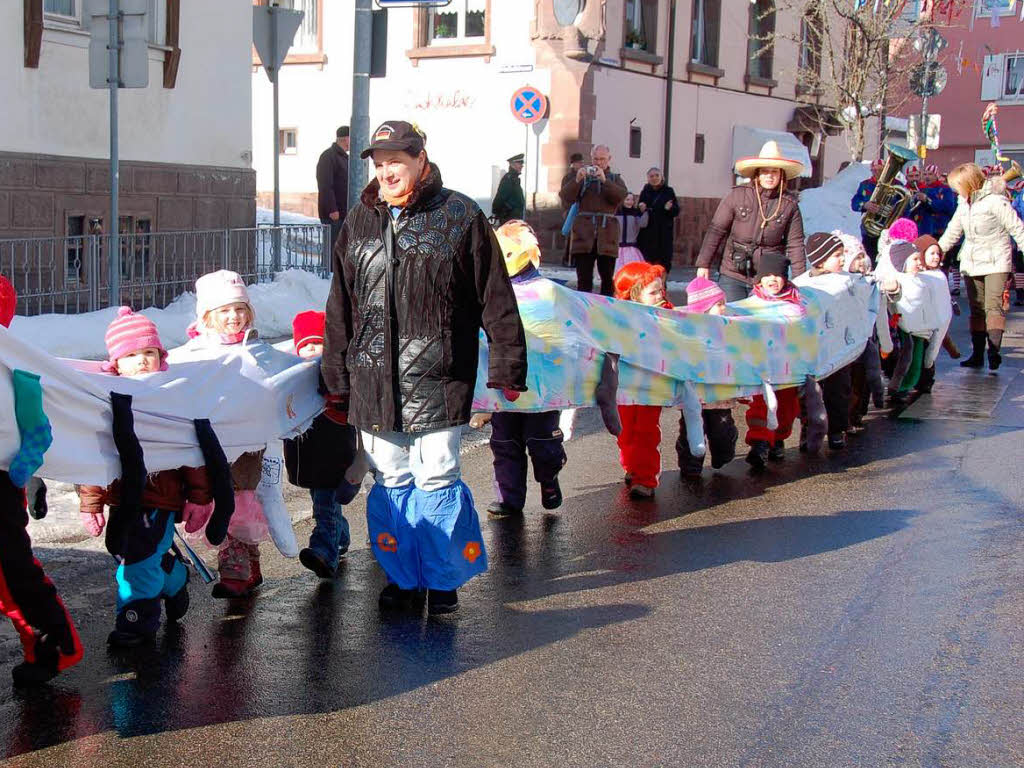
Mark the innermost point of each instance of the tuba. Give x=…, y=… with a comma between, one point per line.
x=891, y=198
x=1013, y=173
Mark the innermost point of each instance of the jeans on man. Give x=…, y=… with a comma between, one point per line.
x=735, y=290
x=330, y=537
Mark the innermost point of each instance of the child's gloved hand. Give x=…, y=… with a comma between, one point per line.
x=195, y=516
x=93, y=523
x=510, y=394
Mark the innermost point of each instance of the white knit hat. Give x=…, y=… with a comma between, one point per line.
x=219, y=288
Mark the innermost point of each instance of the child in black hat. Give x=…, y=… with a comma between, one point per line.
x=825, y=255
x=772, y=284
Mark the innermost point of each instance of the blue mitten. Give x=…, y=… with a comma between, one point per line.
x=34, y=427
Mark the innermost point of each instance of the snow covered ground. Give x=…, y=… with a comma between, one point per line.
x=828, y=207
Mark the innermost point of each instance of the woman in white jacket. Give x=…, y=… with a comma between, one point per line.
x=986, y=222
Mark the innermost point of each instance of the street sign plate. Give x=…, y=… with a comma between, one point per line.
x=928, y=79
x=287, y=22
x=133, y=61
x=529, y=105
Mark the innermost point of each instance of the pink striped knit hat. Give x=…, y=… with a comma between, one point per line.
x=702, y=294
x=128, y=333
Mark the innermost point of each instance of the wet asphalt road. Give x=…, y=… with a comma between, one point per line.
x=861, y=609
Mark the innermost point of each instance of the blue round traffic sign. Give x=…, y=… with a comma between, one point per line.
x=529, y=105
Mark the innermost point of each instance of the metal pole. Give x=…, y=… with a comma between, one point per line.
x=359, y=131
x=113, y=83
x=669, y=86
x=276, y=234
x=922, y=137
x=526, y=156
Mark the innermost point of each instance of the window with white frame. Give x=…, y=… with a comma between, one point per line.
x=288, y=141
x=74, y=12
x=994, y=7
x=458, y=23
x=307, y=39
x=64, y=8
x=704, y=34
x=1013, y=81
x=1002, y=78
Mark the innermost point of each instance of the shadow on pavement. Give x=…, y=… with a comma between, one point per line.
x=301, y=648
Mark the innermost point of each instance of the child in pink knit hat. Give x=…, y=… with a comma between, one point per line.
x=149, y=571
x=133, y=345
x=705, y=297
x=224, y=319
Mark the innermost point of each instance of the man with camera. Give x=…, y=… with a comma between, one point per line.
x=595, y=192
x=754, y=219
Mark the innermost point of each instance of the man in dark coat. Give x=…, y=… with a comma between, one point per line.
x=595, y=230
x=657, y=240
x=509, y=201
x=417, y=274
x=332, y=182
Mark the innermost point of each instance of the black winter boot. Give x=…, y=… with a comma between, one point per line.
x=778, y=451
x=977, y=358
x=551, y=495
x=758, y=455
x=995, y=341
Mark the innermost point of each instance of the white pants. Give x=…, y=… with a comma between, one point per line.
x=428, y=460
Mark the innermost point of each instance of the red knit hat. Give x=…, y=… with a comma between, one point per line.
x=8, y=301
x=640, y=273
x=128, y=333
x=308, y=328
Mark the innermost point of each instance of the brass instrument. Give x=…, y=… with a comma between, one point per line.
x=1013, y=173
x=891, y=198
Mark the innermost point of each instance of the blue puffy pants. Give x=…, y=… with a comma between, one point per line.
x=423, y=526
x=148, y=571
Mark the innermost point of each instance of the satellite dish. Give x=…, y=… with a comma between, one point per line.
x=566, y=11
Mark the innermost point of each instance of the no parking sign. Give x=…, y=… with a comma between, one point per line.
x=529, y=105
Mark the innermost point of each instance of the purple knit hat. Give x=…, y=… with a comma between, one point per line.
x=702, y=294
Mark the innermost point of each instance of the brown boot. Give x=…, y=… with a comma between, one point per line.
x=950, y=346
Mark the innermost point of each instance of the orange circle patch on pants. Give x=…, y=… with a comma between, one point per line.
x=386, y=542
x=471, y=551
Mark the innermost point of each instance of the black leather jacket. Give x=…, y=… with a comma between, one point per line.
x=409, y=297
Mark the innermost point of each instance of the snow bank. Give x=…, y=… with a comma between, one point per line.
x=828, y=207
x=266, y=216
x=81, y=336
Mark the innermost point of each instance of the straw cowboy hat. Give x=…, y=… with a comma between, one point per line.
x=769, y=157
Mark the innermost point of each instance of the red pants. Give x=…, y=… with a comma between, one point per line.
x=27, y=597
x=757, y=416
x=639, y=443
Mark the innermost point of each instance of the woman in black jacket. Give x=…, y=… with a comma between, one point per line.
x=657, y=240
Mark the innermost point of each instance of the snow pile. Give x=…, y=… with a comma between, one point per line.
x=81, y=336
x=828, y=207
x=266, y=216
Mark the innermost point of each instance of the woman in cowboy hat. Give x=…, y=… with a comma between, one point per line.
x=754, y=219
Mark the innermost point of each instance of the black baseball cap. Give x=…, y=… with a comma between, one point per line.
x=396, y=135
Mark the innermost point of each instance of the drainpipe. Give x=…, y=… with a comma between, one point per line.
x=669, y=72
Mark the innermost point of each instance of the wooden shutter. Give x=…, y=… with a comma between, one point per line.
x=173, y=56
x=33, y=32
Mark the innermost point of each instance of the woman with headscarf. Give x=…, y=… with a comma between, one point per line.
x=657, y=240
x=753, y=220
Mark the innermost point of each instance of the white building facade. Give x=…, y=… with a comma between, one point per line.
x=185, y=141
x=607, y=72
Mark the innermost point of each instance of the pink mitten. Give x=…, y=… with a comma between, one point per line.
x=93, y=523
x=195, y=516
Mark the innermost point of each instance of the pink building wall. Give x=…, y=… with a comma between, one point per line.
x=960, y=103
